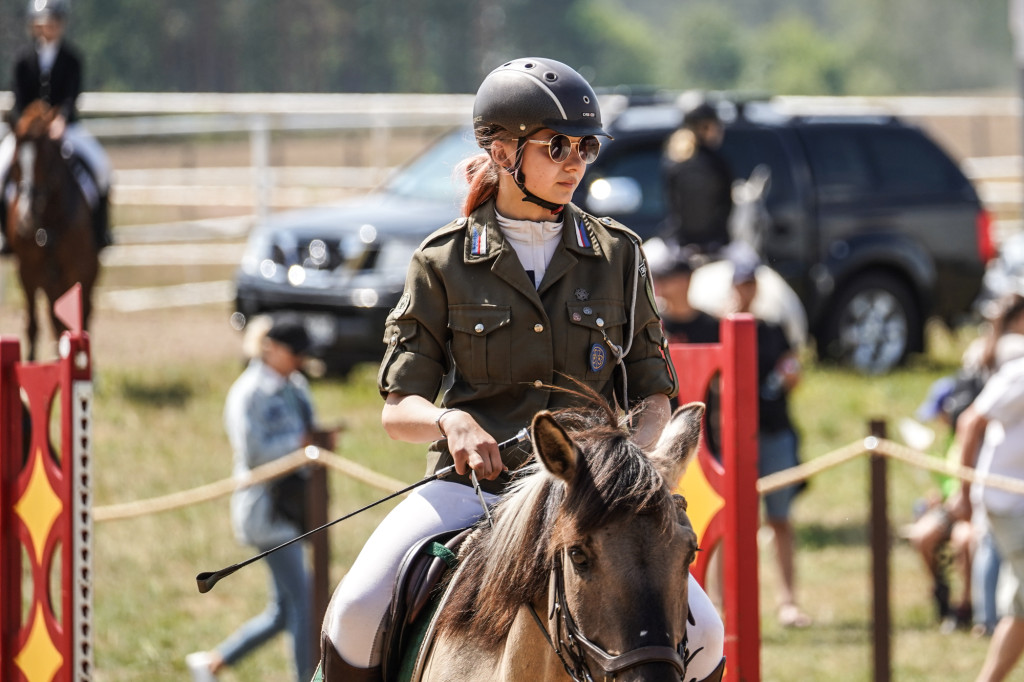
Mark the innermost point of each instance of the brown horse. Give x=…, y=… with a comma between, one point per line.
x=584, y=575
x=49, y=222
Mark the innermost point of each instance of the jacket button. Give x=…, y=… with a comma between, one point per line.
x=479, y=328
x=538, y=328
x=599, y=322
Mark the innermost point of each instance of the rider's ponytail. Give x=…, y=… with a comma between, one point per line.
x=481, y=172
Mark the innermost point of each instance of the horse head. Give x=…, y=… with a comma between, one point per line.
x=618, y=591
x=593, y=542
x=34, y=153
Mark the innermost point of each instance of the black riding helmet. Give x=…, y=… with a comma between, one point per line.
x=39, y=10
x=526, y=95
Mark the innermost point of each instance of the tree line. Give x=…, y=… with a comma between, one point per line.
x=772, y=46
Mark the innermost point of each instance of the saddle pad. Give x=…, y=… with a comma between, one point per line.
x=415, y=599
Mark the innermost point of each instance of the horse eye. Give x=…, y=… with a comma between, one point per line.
x=577, y=557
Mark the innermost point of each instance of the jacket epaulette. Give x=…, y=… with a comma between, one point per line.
x=451, y=228
x=612, y=224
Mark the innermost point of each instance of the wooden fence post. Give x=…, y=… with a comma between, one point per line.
x=317, y=503
x=880, y=541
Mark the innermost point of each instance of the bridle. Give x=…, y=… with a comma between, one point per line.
x=576, y=652
x=573, y=648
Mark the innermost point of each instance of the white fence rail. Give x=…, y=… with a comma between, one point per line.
x=984, y=132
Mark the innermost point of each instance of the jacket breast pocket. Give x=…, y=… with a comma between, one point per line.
x=592, y=324
x=482, y=342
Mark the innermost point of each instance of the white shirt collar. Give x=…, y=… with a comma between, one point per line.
x=47, y=55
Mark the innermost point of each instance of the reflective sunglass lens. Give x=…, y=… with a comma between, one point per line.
x=559, y=148
x=589, y=147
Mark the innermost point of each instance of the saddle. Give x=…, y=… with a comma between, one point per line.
x=417, y=595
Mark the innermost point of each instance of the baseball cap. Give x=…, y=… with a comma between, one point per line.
x=289, y=331
x=744, y=270
x=934, y=402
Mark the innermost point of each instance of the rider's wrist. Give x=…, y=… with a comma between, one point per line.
x=437, y=422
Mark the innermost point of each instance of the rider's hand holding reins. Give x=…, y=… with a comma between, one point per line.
x=415, y=419
x=471, y=446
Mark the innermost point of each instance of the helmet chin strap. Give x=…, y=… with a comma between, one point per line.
x=520, y=179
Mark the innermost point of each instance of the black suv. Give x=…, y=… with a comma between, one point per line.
x=342, y=267
x=874, y=227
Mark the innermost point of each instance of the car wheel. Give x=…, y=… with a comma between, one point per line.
x=872, y=324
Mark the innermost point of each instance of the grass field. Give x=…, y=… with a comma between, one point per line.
x=161, y=379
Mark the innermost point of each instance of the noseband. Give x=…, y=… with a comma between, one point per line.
x=575, y=650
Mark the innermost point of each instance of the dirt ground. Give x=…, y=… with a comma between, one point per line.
x=138, y=339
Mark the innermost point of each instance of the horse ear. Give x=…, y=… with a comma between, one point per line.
x=553, y=446
x=678, y=443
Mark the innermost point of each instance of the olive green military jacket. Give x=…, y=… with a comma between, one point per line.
x=470, y=308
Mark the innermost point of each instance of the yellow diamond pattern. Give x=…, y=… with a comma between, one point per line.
x=38, y=507
x=39, y=660
x=702, y=502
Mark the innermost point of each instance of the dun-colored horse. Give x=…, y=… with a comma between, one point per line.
x=49, y=224
x=584, y=574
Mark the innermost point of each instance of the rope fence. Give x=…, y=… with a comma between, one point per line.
x=887, y=448
x=310, y=455
x=313, y=455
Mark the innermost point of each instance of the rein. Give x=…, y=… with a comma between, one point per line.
x=575, y=646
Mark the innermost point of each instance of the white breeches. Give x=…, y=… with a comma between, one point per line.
x=355, y=617
x=82, y=143
x=360, y=602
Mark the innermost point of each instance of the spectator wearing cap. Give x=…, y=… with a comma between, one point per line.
x=778, y=372
x=269, y=414
x=938, y=524
x=698, y=184
x=682, y=322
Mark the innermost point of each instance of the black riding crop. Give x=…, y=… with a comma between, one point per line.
x=208, y=579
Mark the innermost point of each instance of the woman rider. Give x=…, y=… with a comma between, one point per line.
x=522, y=293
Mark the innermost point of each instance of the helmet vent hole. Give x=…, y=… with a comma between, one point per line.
x=529, y=65
x=507, y=64
x=551, y=76
x=586, y=99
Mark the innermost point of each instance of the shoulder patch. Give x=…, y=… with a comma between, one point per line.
x=403, y=304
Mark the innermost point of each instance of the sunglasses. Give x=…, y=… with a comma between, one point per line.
x=560, y=147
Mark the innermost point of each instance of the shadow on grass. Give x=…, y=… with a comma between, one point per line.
x=818, y=536
x=174, y=393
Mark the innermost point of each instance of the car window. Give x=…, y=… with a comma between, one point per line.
x=907, y=163
x=431, y=175
x=746, y=148
x=838, y=160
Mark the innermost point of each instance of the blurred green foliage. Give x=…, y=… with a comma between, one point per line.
x=778, y=46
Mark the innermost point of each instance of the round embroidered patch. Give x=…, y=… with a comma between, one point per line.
x=598, y=356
